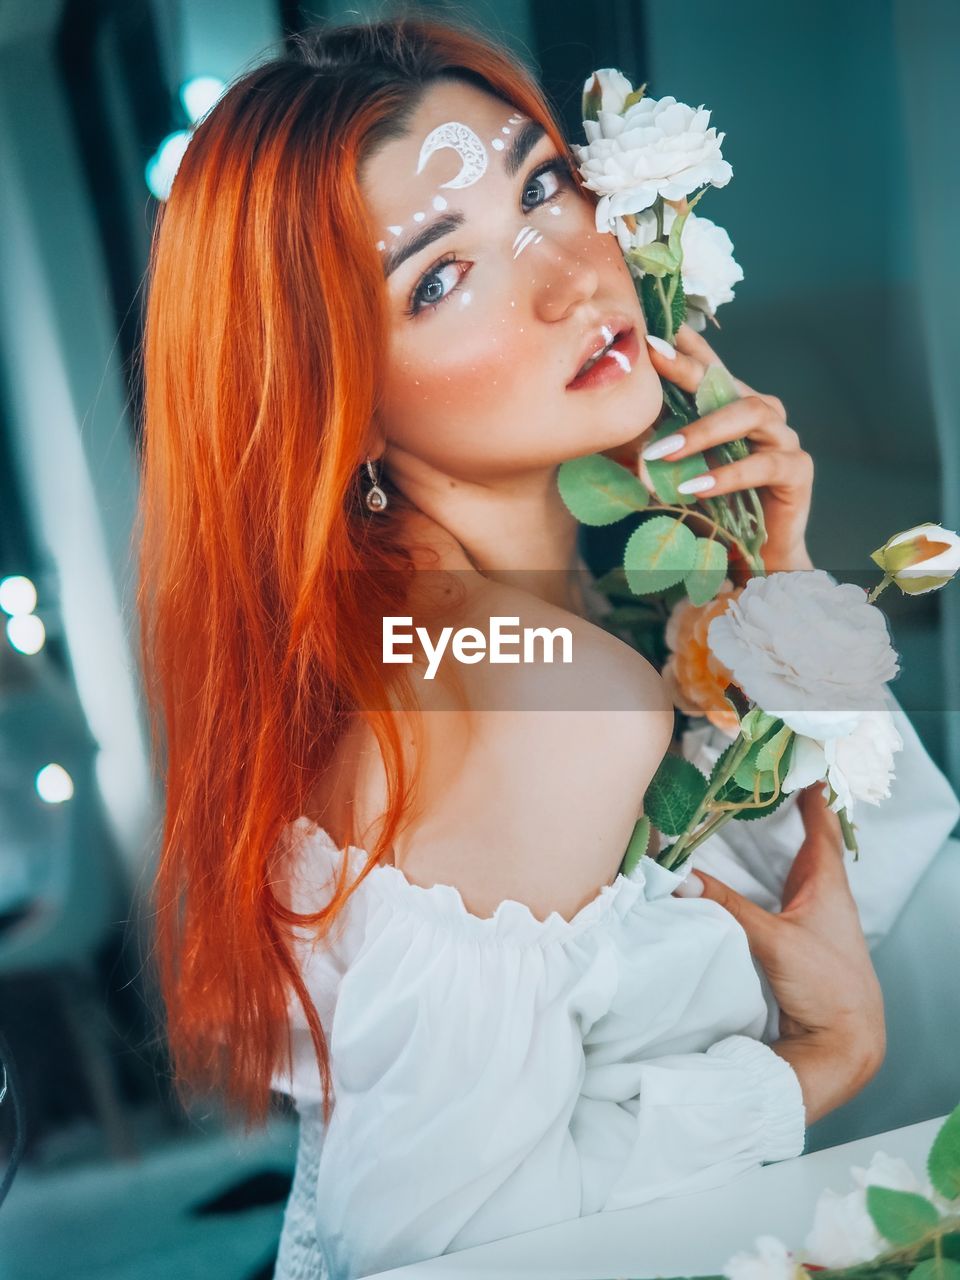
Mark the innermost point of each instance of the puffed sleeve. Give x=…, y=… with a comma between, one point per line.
x=460, y=1068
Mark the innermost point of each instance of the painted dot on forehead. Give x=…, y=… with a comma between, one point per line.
x=498, y=144
x=419, y=217
x=439, y=203
x=504, y=129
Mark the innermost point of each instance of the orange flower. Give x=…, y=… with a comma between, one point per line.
x=695, y=678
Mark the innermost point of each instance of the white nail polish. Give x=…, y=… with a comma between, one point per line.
x=692, y=887
x=699, y=484
x=664, y=348
x=660, y=448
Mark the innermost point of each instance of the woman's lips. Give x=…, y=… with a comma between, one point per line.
x=614, y=364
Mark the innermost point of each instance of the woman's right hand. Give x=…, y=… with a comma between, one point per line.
x=818, y=963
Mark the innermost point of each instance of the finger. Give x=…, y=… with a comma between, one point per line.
x=766, y=469
x=695, y=346
x=749, y=418
x=681, y=369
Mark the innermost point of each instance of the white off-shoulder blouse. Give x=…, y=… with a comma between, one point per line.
x=494, y=1075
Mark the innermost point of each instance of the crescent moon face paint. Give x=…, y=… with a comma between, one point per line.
x=462, y=139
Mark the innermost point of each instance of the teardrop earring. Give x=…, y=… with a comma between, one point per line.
x=376, y=499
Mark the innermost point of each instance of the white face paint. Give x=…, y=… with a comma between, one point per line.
x=462, y=139
x=473, y=159
x=524, y=237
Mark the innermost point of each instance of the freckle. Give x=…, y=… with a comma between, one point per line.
x=497, y=144
x=419, y=217
x=439, y=202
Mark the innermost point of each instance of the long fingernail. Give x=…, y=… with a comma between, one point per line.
x=664, y=348
x=660, y=448
x=692, y=887
x=699, y=484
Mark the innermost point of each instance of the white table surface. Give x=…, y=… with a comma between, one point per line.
x=682, y=1235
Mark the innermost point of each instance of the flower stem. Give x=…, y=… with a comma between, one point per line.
x=881, y=586
x=683, y=843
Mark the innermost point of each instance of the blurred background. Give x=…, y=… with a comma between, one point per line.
x=841, y=130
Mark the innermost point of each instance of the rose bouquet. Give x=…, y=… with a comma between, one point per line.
x=794, y=668
x=645, y=159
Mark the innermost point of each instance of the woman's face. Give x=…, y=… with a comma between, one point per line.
x=492, y=316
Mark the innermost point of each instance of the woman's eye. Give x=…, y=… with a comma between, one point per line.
x=429, y=291
x=549, y=182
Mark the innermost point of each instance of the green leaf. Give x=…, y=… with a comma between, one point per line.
x=943, y=1162
x=757, y=723
x=649, y=297
x=716, y=389
x=598, y=491
x=773, y=749
x=658, y=553
x=656, y=259
x=674, y=795
x=637, y=847
x=901, y=1216
x=633, y=98
x=935, y=1269
x=710, y=569
x=666, y=475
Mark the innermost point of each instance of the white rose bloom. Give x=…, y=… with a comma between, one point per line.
x=806, y=649
x=614, y=88
x=858, y=766
x=843, y=1233
x=772, y=1261
x=709, y=270
x=656, y=148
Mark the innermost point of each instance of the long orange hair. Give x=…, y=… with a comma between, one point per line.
x=263, y=578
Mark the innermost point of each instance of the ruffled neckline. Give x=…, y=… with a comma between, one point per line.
x=512, y=921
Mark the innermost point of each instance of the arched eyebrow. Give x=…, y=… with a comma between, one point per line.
x=522, y=143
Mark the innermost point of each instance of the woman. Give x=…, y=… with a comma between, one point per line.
x=373, y=285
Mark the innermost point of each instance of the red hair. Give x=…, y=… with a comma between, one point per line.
x=262, y=577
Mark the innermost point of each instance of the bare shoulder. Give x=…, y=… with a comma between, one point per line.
x=533, y=772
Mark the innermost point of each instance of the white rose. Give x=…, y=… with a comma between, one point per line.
x=772, y=1261
x=843, y=1233
x=614, y=88
x=656, y=148
x=858, y=766
x=806, y=649
x=709, y=270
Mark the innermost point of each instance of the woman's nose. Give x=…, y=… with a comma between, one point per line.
x=562, y=277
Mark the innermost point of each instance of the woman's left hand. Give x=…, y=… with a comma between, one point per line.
x=777, y=467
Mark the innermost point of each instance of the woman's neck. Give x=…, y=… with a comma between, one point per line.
x=519, y=532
